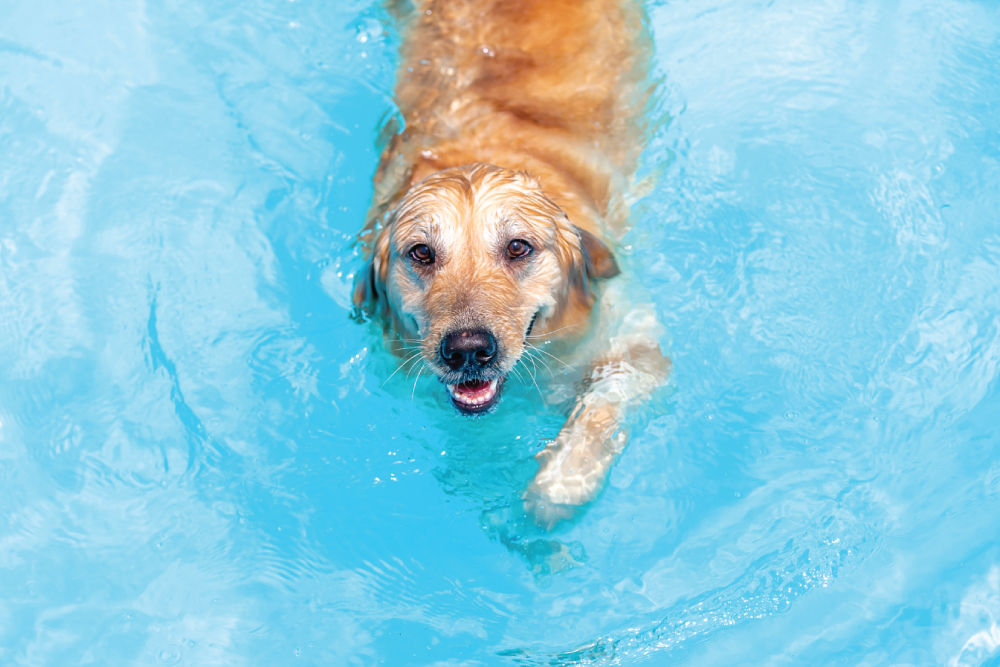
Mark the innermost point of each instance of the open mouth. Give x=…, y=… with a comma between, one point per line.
x=475, y=396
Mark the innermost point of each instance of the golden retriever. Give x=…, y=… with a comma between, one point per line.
x=493, y=208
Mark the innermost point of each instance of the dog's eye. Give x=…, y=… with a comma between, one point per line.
x=422, y=253
x=518, y=248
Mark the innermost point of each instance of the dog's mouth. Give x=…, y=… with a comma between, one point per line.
x=475, y=396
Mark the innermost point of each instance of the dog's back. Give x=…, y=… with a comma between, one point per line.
x=553, y=87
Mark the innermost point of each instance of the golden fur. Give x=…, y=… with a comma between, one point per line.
x=522, y=123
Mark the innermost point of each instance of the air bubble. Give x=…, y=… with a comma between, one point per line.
x=367, y=30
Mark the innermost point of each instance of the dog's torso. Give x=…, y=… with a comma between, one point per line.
x=556, y=88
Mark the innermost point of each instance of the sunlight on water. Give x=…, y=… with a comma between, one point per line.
x=204, y=462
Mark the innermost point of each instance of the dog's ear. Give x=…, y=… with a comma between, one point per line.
x=365, y=288
x=597, y=257
x=369, y=284
x=585, y=258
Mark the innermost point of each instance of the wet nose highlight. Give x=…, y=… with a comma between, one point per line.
x=469, y=348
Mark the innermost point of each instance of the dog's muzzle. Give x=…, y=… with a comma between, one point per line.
x=471, y=355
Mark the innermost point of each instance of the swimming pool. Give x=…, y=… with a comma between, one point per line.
x=201, y=464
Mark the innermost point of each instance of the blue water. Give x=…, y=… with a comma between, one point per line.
x=201, y=461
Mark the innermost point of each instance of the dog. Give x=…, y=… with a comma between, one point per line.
x=494, y=208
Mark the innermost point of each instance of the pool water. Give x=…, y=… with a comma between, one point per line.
x=201, y=461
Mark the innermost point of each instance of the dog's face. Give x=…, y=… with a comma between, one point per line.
x=472, y=261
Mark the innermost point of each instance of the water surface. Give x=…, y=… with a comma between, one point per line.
x=202, y=462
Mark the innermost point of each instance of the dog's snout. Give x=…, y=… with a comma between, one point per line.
x=468, y=349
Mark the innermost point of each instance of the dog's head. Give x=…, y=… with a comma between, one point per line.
x=470, y=263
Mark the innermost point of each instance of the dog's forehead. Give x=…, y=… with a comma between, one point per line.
x=476, y=211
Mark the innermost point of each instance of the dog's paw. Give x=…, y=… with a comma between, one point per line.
x=545, y=510
x=555, y=485
x=571, y=473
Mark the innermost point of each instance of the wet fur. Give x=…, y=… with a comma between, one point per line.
x=522, y=121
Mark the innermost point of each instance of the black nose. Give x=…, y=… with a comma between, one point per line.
x=468, y=349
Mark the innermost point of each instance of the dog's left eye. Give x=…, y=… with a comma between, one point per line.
x=518, y=248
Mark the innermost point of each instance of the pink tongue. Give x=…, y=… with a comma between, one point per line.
x=471, y=390
x=473, y=385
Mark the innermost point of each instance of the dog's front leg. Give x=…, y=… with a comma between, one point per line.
x=572, y=469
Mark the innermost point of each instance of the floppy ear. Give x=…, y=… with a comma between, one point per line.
x=597, y=257
x=369, y=284
x=365, y=288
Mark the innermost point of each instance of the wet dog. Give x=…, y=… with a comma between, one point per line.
x=490, y=229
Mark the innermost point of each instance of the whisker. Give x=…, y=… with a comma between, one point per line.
x=534, y=382
x=531, y=358
x=422, y=364
x=530, y=355
x=548, y=354
x=549, y=333
x=414, y=392
x=402, y=345
x=517, y=373
x=400, y=367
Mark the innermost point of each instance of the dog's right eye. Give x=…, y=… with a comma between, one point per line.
x=422, y=253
